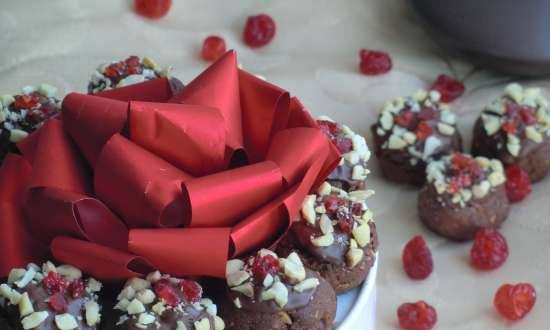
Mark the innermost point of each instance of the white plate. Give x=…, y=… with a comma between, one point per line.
x=357, y=308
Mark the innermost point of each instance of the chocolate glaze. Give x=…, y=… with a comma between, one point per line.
x=296, y=299
x=168, y=320
x=533, y=158
x=38, y=297
x=334, y=254
x=341, y=177
x=395, y=164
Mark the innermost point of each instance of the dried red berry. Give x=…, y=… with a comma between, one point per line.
x=489, y=250
x=404, y=119
x=509, y=127
x=54, y=283
x=343, y=144
x=417, y=259
x=259, y=30
x=328, y=127
x=332, y=203
x=423, y=131
x=449, y=88
x=518, y=183
x=416, y=316
x=515, y=301
x=373, y=62
x=213, y=48
x=528, y=116
x=152, y=8
x=77, y=289
x=191, y=290
x=428, y=113
x=25, y=102
x=132, y=61
x=345, y=222
x=267, y=264
x=167, y=292
x=57, y=303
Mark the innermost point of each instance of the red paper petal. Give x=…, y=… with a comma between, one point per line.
x=17, y=246
x=56, y=162
x=191, y=137
x=54, y=212
x=223, y=198
x=101, y=262
x=192, y=251
x=154, y=90
x=139, y=186
x=265, y=112
x=218, y=87
x=91, y=121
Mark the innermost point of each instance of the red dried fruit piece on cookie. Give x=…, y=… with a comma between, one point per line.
x=25, y=102
x=417, y=316
x=259, y=30
x=77, y=289
x=404, y=119
x=213, y=48
x=58, y=303
x=518, y=183
x=343, y=144
x=267, y=264
x=373, y=62
x=54, y=283
x=423, y=131
x=417, y=259
x=166, y=291
x=489, y=251
x=152, y=8
x=515, y=301
x=328, y=127
x=449, y=88
x=191, y=290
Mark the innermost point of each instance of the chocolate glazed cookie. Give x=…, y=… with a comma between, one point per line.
x=411, y=132
x=516, y=129
x=336, y=236
x=266, y=292
x=463, y=195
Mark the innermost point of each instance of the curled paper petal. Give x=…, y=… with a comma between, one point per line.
x=91, y=121
x=198, y=130
x=265, y=112
x=154, y=90
x=218, y=87
x=142, y=188
x=192, y=251
x=223, y=198
x=62, y=213
x=101, y=262
x=17, y=246
x=56, y=162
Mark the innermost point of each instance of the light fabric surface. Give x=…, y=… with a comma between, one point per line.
x=314, y=55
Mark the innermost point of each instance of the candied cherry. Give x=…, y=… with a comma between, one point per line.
x=167, y=292
x=58, y=303
x=265, y=265
x=515, y=301
x=373, y=62
x=489, y=251
x=259, y=30
x=213, y=48
x=449, y=88
x=54, y=283
x=152, y=8
x=417, y=259
x=518, y=183
x=77, y=289
x=416, y=316
x=423, y=131
x=191, y=290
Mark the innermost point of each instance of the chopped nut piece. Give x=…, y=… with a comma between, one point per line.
x=146, y=318
x=247, y=289
x=138, y=284
x=360, y=195
x=323, y=241
x=65, y=322
x=70, y=272
x=27, y=278
x=237, y=278
x=203, y=324
x=308, y=209
x=361, y=234
x=34, y=320
x=93, y=316
x=277, y=292
x=326, y=224
x=219, y=324
x=233, y=266
x=25, y=305
x=146, y=296
x=354, y=257
x=135, y=307
x=285, y=318
x=154, y=277
x=308, y=284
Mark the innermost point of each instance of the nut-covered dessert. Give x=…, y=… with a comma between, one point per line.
x=411, y=132
x=164, y=303
x=129, y=71
x=335, y=236
x=462, y=195
x=352, y=171
x=515, y=128
x=50, y=297
x=268, y=292
x=23, y=113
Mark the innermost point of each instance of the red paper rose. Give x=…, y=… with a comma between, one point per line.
x=135, y=178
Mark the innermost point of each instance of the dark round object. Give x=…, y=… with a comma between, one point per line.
x=505, y=35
